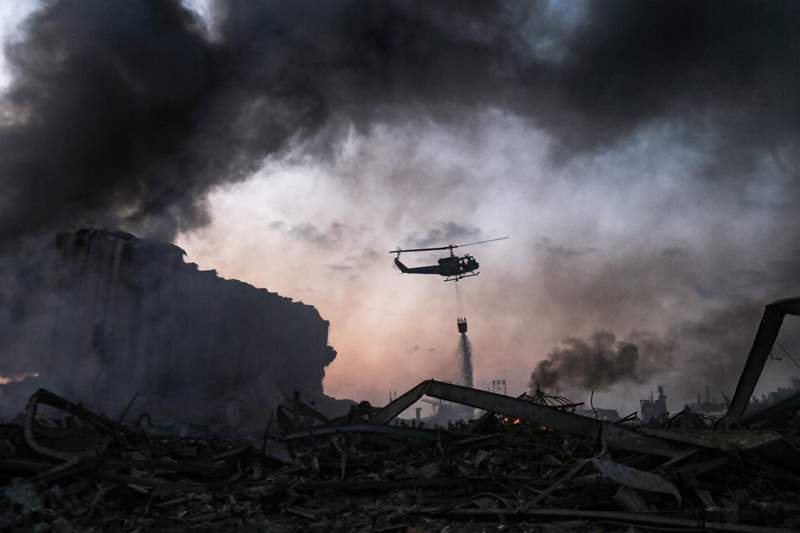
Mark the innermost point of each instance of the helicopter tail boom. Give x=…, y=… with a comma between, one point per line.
x=401, y=266
x=433, y=269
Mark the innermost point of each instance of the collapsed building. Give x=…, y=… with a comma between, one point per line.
x=132, y=318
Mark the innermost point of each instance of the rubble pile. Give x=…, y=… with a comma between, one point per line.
x=520, y=466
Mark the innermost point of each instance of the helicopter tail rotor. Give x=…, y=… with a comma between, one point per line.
x=400, y=265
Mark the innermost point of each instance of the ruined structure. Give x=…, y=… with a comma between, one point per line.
x=133, y=318
x=654, y=410
x=707, y=406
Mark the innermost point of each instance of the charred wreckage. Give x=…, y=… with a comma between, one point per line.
x=523, y=464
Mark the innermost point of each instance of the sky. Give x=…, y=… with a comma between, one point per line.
x=642, y=158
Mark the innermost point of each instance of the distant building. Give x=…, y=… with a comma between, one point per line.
x=654, y=410
x=780, y=394
x=708, y=407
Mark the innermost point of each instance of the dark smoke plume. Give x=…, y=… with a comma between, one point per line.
x=102, y=116
x=603, y=361
x=129, y=113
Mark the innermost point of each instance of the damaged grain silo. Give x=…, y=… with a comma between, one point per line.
x=132, y=318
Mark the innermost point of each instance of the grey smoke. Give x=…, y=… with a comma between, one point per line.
x=340, y=267
x=715, y=347
x=26, y=304
x=310, y=233
x=443, y=234
x=553, y=248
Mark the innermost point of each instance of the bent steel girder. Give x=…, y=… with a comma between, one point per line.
x=762, y=346
x=581, y=426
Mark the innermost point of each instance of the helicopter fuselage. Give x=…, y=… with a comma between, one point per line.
x=451, y=268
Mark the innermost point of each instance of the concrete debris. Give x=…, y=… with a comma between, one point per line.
x=525, y=464
x=634, y=478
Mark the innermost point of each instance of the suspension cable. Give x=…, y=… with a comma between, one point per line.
x=458, y=301
x=787, y=353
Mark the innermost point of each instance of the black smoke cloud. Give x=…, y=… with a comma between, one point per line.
x=128, y=114
x=725, y=66
x=26, y=308
x=602, y=361
x=105, y=102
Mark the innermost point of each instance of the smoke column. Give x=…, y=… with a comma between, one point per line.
x=465, y=350
x=602, y=361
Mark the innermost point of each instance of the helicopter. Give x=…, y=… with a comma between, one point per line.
x=452, y=267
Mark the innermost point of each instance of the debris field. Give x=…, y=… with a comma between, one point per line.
x=524, y=464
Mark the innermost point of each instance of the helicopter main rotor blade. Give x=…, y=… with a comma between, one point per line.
x=478, y=242
x=448, y=247
x=421, y=249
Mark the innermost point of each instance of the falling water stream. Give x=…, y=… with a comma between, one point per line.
x=465, y=349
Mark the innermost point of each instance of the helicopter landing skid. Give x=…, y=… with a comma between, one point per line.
x=456, y=278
